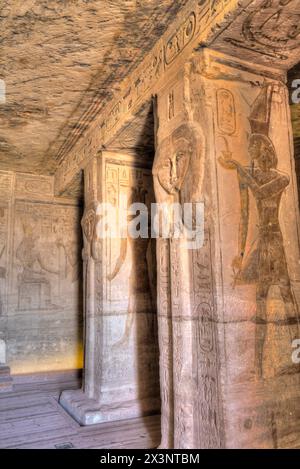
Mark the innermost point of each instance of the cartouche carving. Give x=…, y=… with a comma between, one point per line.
x=226, y=111
x=265, y=263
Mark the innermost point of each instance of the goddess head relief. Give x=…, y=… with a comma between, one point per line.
x=178, y=173
x=88, y=223
x=172, y=172
x=178, y=165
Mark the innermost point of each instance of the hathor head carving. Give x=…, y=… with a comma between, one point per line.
x=178, y=165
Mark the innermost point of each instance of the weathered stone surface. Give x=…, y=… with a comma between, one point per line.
x=198, y=23
x=266, y=32
x=210, y=98
x=5, y=378
x=293, y=76
x=248, y=29
x=236, y=314
x=121, y=354
x=40, y=282
x=61, y=62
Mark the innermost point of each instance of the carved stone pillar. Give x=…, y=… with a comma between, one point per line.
x=229, y=310
x=121, y=353
x=6, y=382
x=6, y=197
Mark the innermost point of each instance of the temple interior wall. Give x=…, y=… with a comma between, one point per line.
x=40, y=275
x=130, y=356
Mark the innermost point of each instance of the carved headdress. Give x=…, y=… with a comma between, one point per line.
x=259, y=118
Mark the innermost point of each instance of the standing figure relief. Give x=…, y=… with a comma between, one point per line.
x=178, y=173
x=140, y=298
x=265, y=264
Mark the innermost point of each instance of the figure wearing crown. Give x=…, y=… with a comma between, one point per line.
x=34, y=269
x=265, y=264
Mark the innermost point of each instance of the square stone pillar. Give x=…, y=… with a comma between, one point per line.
x=121, y=378
x=6, y=382
x=6, y=196
x=229, y=310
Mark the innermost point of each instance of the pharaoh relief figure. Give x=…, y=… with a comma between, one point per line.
x=265, y=263
x=140, y=291
x=178, y=172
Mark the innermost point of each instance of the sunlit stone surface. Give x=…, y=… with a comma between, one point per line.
x=183, y=102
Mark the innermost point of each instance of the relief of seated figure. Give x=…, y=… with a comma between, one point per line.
x=34, y=287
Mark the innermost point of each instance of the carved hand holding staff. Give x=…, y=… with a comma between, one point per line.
x=265, y=265
x=228, y=162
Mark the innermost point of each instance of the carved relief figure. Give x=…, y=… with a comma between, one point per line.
x=271, y=29
x=140, y=300
x=178, y=178
x=2, y=277
x=172, y=170
x=71, y=254
x=91, y=251
x=265, y=264
x=93, y=243
x=273, y=25
x=34, y=271
x=178, y=169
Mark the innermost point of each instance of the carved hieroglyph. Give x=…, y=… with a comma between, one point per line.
x=121, y=352
x=40, y=273
x=266, y=31
x=261, y=31
x=233, y=304
x=265, y=262
x=199, y=22
x=190, y=391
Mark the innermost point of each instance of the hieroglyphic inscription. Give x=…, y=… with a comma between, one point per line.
x=271, y=29
x=179, y=40
x=226, y=111
x=264, y=264
x=39, y=274
x=198, y=18
x=29, y=186
x=209, y=426
x=165, y=342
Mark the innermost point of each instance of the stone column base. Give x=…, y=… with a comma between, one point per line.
x=88, y=411
x=6, y=382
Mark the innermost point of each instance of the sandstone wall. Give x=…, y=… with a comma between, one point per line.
x=40, y=275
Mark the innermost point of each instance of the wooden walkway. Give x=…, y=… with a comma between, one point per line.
x=34, y=419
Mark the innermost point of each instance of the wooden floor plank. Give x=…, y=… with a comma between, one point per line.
x=34, y=419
